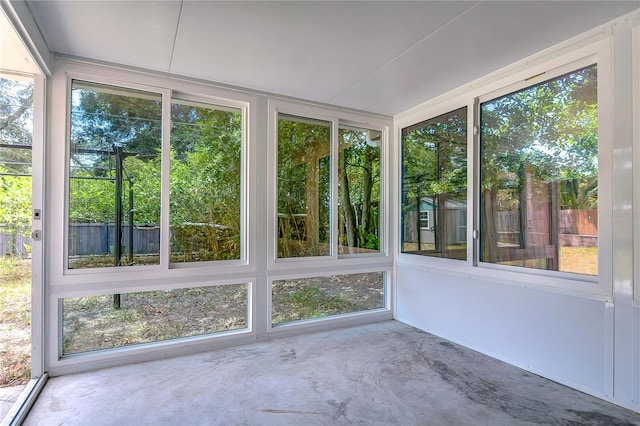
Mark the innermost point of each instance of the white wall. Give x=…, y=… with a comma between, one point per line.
x=559, y=336
x=579, y=333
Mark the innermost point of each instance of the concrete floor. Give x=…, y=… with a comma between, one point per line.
x=379, y=374
x=8, y=396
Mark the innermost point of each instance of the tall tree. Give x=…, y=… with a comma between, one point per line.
x=16, y=129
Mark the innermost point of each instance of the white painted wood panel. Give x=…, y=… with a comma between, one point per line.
x=558, y=336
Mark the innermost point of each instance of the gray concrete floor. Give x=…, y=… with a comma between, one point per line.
x=8, y=396
x=379, y=374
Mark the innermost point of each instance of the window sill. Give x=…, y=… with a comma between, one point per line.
x=584, y=287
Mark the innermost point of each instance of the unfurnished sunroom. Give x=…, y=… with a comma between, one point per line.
x=210, y=174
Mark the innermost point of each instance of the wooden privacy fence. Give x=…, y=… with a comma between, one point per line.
x=579, y=222
x=15, y=241
x=99, y=238
x=576, y=228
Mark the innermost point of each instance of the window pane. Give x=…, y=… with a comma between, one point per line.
x=306, y=298
x=114, y=176
x=93, y=322
x=206, y=146
x=359, y=190
x=304, y=187
x=539, y=176
x=434, y=187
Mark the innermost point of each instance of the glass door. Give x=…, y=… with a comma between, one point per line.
x=16, y=245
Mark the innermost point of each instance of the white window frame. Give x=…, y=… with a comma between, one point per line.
x=160, y=270
x=164, y=93
x=64, y=283
x=382, y=212
x=351, y=318
x=312, y=114
x=635, y=69
x=256, y=268
x=71, y=358
x=217, y=103
x=572, y=56
x=441, y=108
x=337, y=119
x=521, y=85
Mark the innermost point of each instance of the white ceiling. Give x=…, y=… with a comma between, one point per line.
x=14, y=55
x=382, y=57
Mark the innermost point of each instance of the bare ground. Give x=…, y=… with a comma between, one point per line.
x=15, y=321
x=92, y=323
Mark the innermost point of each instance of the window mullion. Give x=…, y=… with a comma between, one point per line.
x=473, y=135
x=165, y=236
x=333, y=223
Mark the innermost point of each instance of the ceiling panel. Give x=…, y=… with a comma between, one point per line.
x=134, y=33
x=312, y=50
x=14, y=55
x=487, y=38
x=381, y=57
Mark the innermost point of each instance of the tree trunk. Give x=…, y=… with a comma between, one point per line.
x=525, y=190
x=347, y=208
x=441, y=229
x=489, y=237
x=367, y=186
x=117, y=252
x=312, y=230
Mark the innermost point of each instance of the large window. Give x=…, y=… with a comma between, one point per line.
x=304, y=187
x=115, y=185
x=359, y=190
x=329, y=192
x=434, y=186
x=305, y=182
x=114, y=176
x=206, y=146
x=306, y=298
x=539, y=175
x=93, y=322
x=164, y=216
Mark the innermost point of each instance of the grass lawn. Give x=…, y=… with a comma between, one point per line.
x=581, y=260
x=15, y=322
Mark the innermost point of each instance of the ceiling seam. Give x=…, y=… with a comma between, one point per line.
x=404, y=52
x=175, y=37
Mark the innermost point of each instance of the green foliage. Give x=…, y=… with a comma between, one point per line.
x=104, y=116
x=303, y=187
x=144, y=174
x=205, y=183
x=550, y=128
x=16, y=122
x=538, y=145
x=359, y=186
x=91, y=200
x=205, y=176
x=434, y=158
x=15, y=200
x=102, y=119
x=369, y=240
